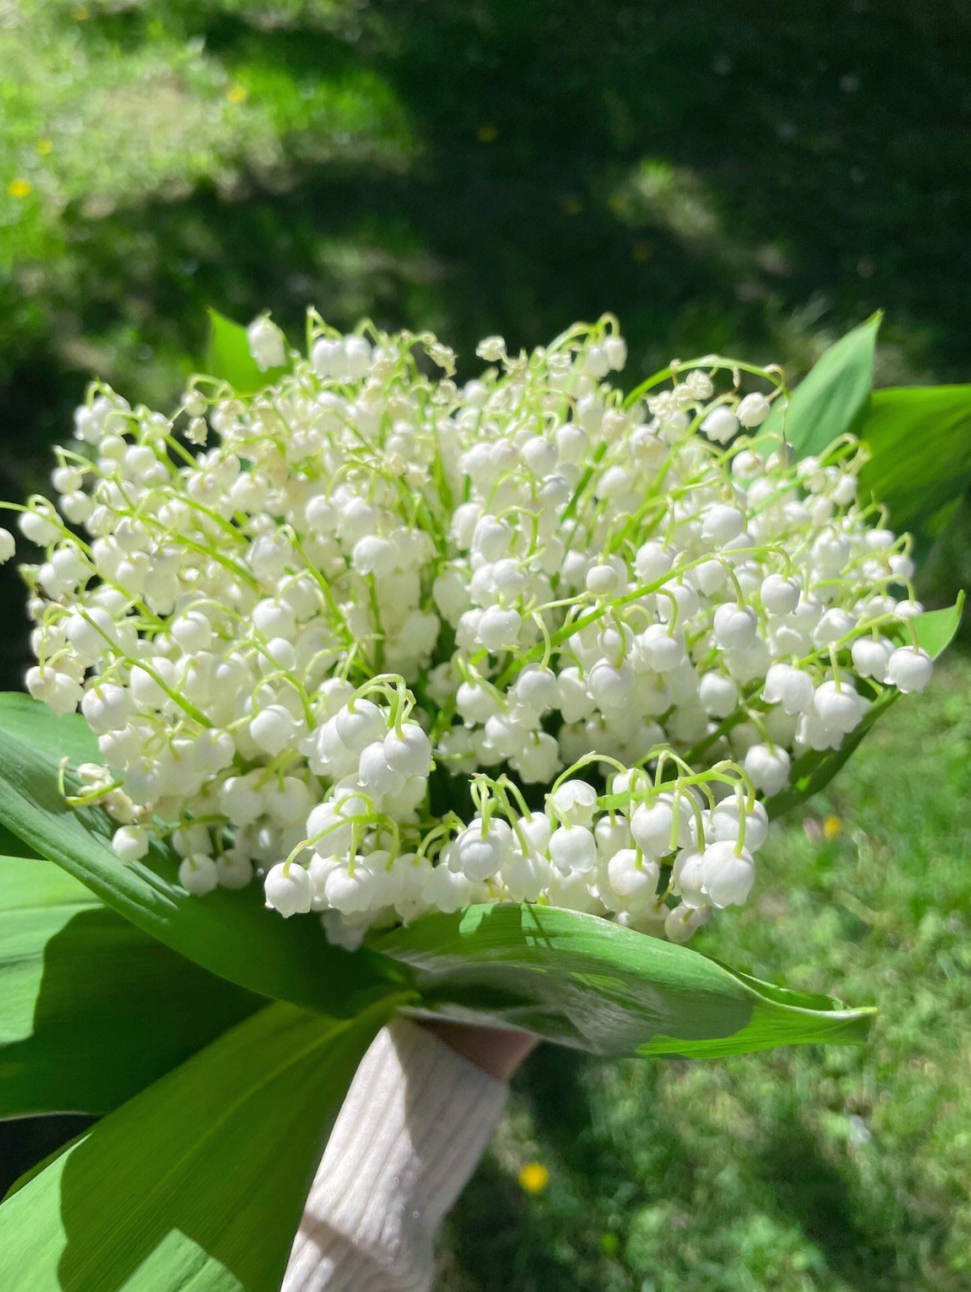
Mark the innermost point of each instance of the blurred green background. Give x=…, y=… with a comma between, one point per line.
x=747, y=177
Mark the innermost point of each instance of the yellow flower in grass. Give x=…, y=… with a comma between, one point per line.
x=534, y=1177
x=832, y=827
x=20, y=188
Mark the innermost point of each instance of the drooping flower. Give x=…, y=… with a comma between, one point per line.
x=396, y=645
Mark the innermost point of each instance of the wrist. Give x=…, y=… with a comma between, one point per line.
x=493, y=1049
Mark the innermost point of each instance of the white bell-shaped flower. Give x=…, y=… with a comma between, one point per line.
x=721, y=425
x=788, y=687
x=727, y=873
x=909, y=669
x=768, y=767
x=753, y=410
x=780, y=594
x=871, y=655
x=130, y=843
x=480, y=851
x=838, y=706
x=266, y=343
x=198, y=874
x=632, y=877
x=724, y=823
x=288, y=889
x=573, y=850
x=661, y=825
x=408, y=752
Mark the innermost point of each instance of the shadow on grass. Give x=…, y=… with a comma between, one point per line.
x=815, y=1196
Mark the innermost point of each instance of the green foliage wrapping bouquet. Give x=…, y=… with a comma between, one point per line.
x=494, y=679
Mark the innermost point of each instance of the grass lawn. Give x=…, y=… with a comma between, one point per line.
x=825, y=1169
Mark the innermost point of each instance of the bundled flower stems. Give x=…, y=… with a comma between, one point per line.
x=390, y=645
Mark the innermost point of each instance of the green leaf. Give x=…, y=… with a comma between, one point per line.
x=228, y=358
x=228, y=933
x=11, y=846
x=920, y=444
x=592, y=984
x=935, y=629
x=830, y=399
x=198, y=1183
x=91, y=1009
x=67, y=737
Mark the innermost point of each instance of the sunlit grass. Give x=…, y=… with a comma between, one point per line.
x=101, y=116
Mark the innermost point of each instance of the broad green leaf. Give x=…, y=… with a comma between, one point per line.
x=196, y=1184
x=67, y=737
x=228, y=933
x=588, y=983
x=228, y=358
x=91, y=1009
x=814, y=770
x=11, y=846
x=830, y=399
x=920, y=442
x=935, y=629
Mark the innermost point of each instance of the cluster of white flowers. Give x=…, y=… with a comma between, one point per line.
x=399, y=645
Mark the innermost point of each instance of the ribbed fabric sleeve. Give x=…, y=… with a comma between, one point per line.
x=411, y=1130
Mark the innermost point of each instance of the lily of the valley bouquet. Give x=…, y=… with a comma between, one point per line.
x=473, y=700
